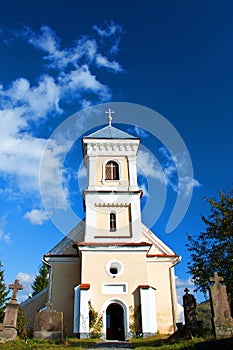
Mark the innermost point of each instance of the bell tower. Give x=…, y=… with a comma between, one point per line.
x=112, y=196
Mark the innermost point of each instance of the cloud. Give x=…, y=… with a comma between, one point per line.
x=172, y=164
x=144, y=190
x=110, y=30
x=4, y=236
x=103, y=62
x=36, y=216
x=26, y=280
x=70, y=74
x=181, y=285
x=148, y=165
x=113, y=32
x=139, y=131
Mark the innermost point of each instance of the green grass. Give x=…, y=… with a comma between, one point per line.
x=70, y=343
x=164, y=343
x=161, y=342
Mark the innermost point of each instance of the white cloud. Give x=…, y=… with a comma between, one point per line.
x=24, y=102
x=36, y=216
x=148, y=165
x=4, y=236
x=166, y=171
x=26, y=280
x=82, y=171
x=144, y=190
x=181, y=285
x=104, y=62
x=139, y=131
x=24, y=277
x=109, y=30
x=173, y=164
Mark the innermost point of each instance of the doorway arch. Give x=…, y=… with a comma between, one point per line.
x=115, y=322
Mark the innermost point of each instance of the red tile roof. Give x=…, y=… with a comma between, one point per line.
x=162, y=256
x=84, y=286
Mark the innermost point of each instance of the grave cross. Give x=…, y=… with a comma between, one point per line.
x=49, y=305
x=216, y=279
x=16, y=287
x=109, y=112
x=186, y=290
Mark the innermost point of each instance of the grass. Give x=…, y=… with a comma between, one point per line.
x=160, y=342
x=164, y=343
x=29, y=344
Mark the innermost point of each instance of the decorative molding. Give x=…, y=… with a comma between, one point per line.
x=109, y=146
x=115, y=205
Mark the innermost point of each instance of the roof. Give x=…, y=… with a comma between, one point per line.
x=110, y=132
x=116, y=244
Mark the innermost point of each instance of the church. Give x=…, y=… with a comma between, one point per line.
x=111, y=262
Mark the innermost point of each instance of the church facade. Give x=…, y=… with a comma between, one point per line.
x=111, y=261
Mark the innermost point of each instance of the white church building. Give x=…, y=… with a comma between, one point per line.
x=111, y=260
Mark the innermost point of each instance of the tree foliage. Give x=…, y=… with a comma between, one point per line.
x=3, y=293
x=95, y=322
x=212, y=249
x=41, y=280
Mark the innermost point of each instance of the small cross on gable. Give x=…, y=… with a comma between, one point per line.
x=186, y=290
x=16, y=287
x=109, y=112
x=216, y=279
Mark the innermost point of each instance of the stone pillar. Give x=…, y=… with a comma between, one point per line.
x=190, y=315
x=8, y=328
x=48, y=324
x=148, y=310
x=81, y=311
x=221, y=315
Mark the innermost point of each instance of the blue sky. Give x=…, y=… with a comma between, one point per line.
x=59, y=57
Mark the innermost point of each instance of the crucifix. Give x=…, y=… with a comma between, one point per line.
x=16, y=287
x=109, y=112
x=216, y=279
x=186, y=290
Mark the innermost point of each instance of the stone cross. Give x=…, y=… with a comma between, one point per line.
x=216, y=279
x=221, y=314
x=190, y=316
x=49, y=305
x=109, y=112
x=16, y=287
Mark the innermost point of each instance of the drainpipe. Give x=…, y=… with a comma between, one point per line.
x=173, y=290
x=50, y=279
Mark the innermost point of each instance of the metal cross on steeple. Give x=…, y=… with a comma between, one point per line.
x=110, y=112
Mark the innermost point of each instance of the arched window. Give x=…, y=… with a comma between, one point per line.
x=111, y=171
x=112, y=222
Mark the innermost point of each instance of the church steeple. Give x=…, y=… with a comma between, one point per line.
x=112, y=196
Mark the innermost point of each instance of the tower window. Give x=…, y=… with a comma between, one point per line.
x=111, y=171
x=112, y=222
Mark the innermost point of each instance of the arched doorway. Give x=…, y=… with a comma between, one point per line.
x=115, y=322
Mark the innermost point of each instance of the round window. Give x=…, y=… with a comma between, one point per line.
x=114, y=268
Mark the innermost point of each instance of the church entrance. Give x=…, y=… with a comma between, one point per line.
x=115, y=322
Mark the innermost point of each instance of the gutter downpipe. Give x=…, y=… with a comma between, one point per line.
x=173, y=290
x=50, y=279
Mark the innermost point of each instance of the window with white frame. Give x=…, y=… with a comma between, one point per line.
x=112, y=219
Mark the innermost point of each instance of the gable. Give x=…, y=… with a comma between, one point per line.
x=65, y=246
x=158, y=248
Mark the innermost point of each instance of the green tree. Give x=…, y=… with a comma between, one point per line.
x=212, y=249
x=41, y=280
x=3, y=293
